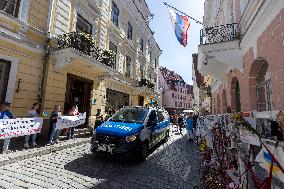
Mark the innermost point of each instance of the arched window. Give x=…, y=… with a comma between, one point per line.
x=263, y=88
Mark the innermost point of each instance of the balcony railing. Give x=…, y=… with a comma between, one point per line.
x=10, y=7
x=146, y=83
x=217, y=34
x=86, y=44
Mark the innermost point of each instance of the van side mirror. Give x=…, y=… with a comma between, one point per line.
x=151, y=123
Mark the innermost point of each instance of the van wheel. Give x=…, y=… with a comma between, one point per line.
x=144, y=152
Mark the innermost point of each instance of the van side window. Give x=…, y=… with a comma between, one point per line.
x=153, y=116
x=160, y=117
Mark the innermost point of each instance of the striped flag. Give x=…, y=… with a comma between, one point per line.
x=180, y=25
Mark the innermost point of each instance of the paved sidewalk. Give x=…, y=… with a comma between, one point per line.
x=13, y=157
x=172, y=165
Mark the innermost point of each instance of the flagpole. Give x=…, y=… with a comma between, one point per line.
x=198, y=22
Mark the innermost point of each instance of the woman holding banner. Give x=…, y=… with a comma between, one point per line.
x=6, y=114
x=31, y=114
x=55, y=132
x=72, y=112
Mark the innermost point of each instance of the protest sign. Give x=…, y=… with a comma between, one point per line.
x=248, y=137
x=65, y=122
x=10, y=128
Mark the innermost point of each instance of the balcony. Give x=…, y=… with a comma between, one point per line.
x=76, y=45
x=219, y=50
x=146, y=83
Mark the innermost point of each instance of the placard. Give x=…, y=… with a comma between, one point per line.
x=10, y=128
x=65, y=122
x=249, y=137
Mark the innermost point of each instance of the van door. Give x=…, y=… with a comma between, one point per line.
x=163, y=124
x=152, y=126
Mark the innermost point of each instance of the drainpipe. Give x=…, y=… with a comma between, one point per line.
x=45, y=61
x=46, y=56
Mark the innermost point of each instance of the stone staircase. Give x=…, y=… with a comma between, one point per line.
x=79, y=133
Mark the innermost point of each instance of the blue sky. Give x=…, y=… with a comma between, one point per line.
x=176, y=57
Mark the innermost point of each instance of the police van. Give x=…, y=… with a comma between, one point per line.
x=132, y=132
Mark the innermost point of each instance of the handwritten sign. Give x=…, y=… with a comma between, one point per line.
x=10, y=128
x=249, y=137
x=65, y=122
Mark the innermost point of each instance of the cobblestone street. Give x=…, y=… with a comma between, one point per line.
x=171, y=165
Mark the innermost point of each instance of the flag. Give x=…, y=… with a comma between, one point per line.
x=181, y=25
x=264, y=159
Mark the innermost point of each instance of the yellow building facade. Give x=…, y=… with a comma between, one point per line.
x=56, y=50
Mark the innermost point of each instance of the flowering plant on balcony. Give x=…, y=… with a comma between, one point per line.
x=86, y=44
x=107, y=57
x=146, y=83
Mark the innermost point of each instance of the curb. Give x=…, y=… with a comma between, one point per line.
x=13, y=157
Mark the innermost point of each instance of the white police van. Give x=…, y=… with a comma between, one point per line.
x=132, y=131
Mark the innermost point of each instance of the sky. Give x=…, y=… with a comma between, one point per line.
x=176, y=57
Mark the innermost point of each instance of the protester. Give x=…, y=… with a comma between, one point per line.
x=53, y=119
x=72, y=112
x=6, y=114
x=99, y=118
x=108, y=115
x=33, y=112
x=189, y=128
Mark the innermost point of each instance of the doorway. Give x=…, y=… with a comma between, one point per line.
x=4, y=77
x=140, y=100
x=116, y=100
x=82, y=89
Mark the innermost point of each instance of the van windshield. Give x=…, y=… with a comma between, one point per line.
x=130, y=115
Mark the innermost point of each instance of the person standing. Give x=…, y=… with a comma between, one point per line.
x=33, y=112
x=180, y=122
x=71, y=131
x=6, y=114
x=53, y=118
x=99, y=118
x=189, y=128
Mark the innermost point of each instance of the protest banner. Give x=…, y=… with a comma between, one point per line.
x=65, y=122
x=10, y=128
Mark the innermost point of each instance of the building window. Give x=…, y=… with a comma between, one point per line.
x=113, y=48
x=175, y=103
x=173, y=95
x=142, y=45
x=150, y=53
x=128, y=66
x=129, y=31
x=156, y=63
x=4, y=77
x=82, y=25
x=141, y=72
x=10, y=7
x=114, y=14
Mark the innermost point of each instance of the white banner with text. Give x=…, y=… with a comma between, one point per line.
x=10, y=128
x=65, y=122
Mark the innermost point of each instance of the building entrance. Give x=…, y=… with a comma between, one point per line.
x=116, y=100
x=4, y=77
x=78, y=92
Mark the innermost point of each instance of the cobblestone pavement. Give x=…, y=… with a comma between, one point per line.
x=172, y=165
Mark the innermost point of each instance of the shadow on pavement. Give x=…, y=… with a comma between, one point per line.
x=172, y=165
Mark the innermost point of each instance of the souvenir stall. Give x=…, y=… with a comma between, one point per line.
x=243, y=150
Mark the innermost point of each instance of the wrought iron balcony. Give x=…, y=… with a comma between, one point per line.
x=146, y=83
x=217, y=34
x=86, y=44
